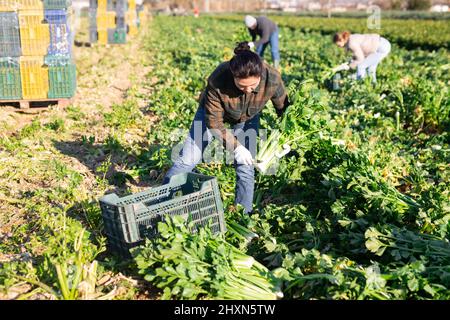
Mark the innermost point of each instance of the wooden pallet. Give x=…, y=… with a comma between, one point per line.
x=26, y=103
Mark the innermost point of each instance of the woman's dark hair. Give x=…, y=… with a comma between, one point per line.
x=245, y=62
x=343, y=35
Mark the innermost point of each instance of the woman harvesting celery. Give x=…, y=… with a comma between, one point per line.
x=236, y=93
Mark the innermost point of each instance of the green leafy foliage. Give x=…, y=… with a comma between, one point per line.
x=359, y=209
x=189, y=266
x=353, y=163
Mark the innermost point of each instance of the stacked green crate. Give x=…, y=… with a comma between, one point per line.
x=117, y=35
x=9, y=35
x=10, y=85
x=61, y=76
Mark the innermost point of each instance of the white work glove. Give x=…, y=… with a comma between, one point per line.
x=243, y=156
x=341, y=67
x=251, y=45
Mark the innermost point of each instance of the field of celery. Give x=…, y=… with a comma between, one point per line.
x=358, y=210
x=409, y=33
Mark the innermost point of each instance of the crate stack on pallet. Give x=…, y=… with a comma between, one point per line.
x=100, y=21
x=114, y=21
x=36, y=60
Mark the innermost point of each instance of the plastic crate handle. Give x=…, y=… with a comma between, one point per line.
x=110, y=199
x=197, y=202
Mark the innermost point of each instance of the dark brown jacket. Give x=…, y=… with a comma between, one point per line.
x=224, y=102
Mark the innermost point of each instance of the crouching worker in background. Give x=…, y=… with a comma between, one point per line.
x=236, y=93
x=368, y=50
x=268, y=31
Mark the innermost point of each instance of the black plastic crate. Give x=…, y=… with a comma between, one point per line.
x=131, y=219
x=56, y=16
x=61, y=76
x=9, y=35
x=111, y=5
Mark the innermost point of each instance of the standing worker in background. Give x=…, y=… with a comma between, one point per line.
x=236, y=93
x=368, y=50
x=268, y=31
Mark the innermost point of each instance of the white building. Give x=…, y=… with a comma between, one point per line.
x=440, y=8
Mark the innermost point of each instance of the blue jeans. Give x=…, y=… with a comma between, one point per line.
x=273, y=40
x=198, y=139
x=369, y=64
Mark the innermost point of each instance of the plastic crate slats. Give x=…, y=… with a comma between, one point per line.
x=10, y=83
x=57, y=4
x=62, y=81
x=34, y=33
x=9, y=35
x=34, y=77
x=102, y=4
x=105, y=20
x=146, y=195
x=93, y=37
x=108, y=5
x=15, y=5
x=136, y=220
x=56, y=16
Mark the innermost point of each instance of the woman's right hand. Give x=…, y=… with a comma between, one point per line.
x=243, y=156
